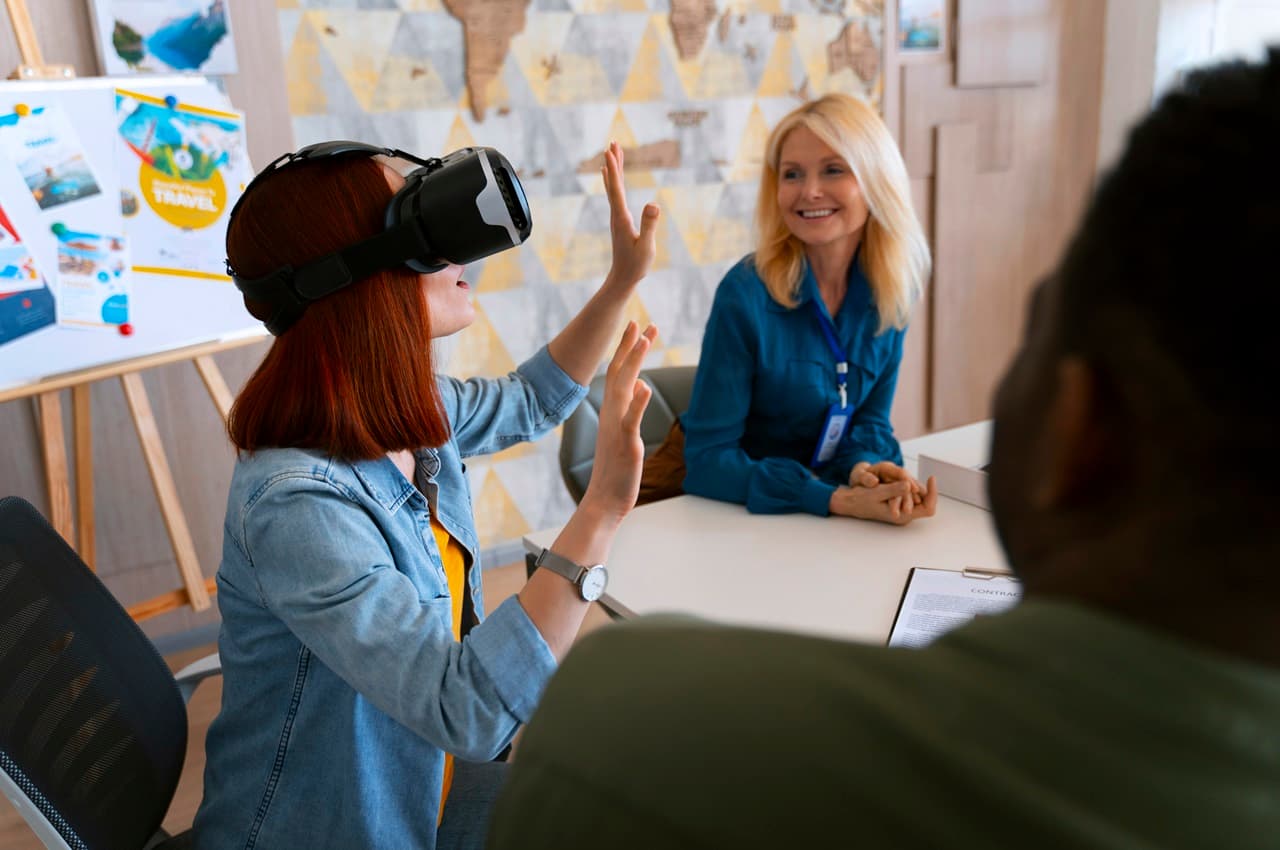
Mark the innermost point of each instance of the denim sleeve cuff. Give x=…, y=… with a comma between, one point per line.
x=815, y=497
x=556, y=391
x=515, y=656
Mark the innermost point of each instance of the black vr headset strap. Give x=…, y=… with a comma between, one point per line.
x=387, y=250
x=289, y=291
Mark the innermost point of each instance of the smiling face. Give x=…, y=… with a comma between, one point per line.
x=448, y=295
x=818, y=194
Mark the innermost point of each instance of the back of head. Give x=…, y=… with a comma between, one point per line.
x=353, y=376
x=1190, y=214
x=894, y=252
x=1132, y=462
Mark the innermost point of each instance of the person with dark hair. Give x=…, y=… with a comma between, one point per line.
x=365, y=693
x=1131, y=700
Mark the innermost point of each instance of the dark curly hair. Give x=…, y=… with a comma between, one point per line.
x=1170, y=286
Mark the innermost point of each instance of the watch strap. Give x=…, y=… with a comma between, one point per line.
x=560, y=565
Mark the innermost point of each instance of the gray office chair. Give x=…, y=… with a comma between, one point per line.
x=672, y=386
x=93, y=726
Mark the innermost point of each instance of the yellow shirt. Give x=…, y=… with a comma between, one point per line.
x=455, y=570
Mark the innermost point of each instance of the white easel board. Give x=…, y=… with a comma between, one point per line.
x=165, y=312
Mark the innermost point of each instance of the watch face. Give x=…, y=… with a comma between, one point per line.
x=593, y=583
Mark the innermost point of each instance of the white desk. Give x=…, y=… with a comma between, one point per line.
x=821, y=575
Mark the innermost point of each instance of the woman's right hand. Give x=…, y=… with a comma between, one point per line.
x=889, y=502
x=619, y=457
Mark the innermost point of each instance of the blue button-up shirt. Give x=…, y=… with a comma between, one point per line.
x=342, y=684
x=766, y=380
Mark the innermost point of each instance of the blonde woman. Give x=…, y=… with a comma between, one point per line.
x=790, y=407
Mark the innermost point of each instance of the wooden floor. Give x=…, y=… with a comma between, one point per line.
x=499, y=583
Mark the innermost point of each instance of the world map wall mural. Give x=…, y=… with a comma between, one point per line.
x=689, y=88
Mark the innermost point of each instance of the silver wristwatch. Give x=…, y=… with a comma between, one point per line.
x=590, y=581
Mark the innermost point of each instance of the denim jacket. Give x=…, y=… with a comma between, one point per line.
x=342, y=684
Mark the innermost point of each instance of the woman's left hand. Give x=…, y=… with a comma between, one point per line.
x=633, y=251
x=867, y=474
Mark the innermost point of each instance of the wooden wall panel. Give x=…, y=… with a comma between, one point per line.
x=930, y=99
x=134, y=556
x=911, y=399
x=999, y=232
x=1003, y=42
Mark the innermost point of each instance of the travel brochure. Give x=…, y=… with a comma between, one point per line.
x=93, y=280
x=182, y=168
x=26, y=302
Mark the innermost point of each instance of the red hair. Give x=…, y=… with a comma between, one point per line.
x=353, y=376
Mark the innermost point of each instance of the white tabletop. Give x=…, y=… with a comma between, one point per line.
x=831, y=576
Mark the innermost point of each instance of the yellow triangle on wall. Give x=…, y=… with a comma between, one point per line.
x=776, y=80
x=498, y=518
x=635, y=311
x=680, y=355
x=557, y=219
x=480, y=350
x=409, y=82
x=519, y=450
x=687, y=70
x=750, y=156
x=644, y=82
x=459, y=135
x=358, y=43
x=692, y=208
x=303, y=74
x=501, y=271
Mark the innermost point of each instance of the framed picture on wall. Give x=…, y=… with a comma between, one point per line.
x=922, y=26
x=164, y=36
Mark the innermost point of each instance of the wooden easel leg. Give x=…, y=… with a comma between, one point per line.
x=54, y=447
x=82, y=425
x=214, y=383
x=149, y=435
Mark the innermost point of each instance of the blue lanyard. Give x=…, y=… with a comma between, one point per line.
x=833, y=342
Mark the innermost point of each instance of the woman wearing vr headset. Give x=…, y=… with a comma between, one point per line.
x=365, y=693
x=790, y=405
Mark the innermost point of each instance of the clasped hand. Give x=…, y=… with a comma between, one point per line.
x=885, y=492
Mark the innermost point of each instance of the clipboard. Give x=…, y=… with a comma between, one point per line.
x=936, y=601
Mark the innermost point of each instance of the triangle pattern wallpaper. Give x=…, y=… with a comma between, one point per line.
x=689, y=88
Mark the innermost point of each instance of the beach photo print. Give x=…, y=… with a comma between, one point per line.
x=44, y=146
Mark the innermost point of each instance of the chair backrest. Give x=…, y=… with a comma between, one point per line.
x=672, y=386
x=93, y=730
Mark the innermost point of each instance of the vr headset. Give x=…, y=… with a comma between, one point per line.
x=459, y=208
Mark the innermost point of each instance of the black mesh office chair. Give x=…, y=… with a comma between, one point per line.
x=93, y=726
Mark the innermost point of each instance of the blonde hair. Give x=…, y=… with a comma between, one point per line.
x=894, y=254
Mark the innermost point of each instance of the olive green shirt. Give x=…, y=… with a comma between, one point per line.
x=1050, y=726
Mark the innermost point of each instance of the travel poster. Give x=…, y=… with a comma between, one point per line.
x=182, y=168
x=921, y=24
x=43, y=145
x=26, y=303
x=163, y=36
x=93, y=280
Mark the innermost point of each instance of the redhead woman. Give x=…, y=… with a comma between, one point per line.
x=790, y=406
x=365, y=691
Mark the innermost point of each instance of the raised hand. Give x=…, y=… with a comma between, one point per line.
x=615, y=475
x=633, y=251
